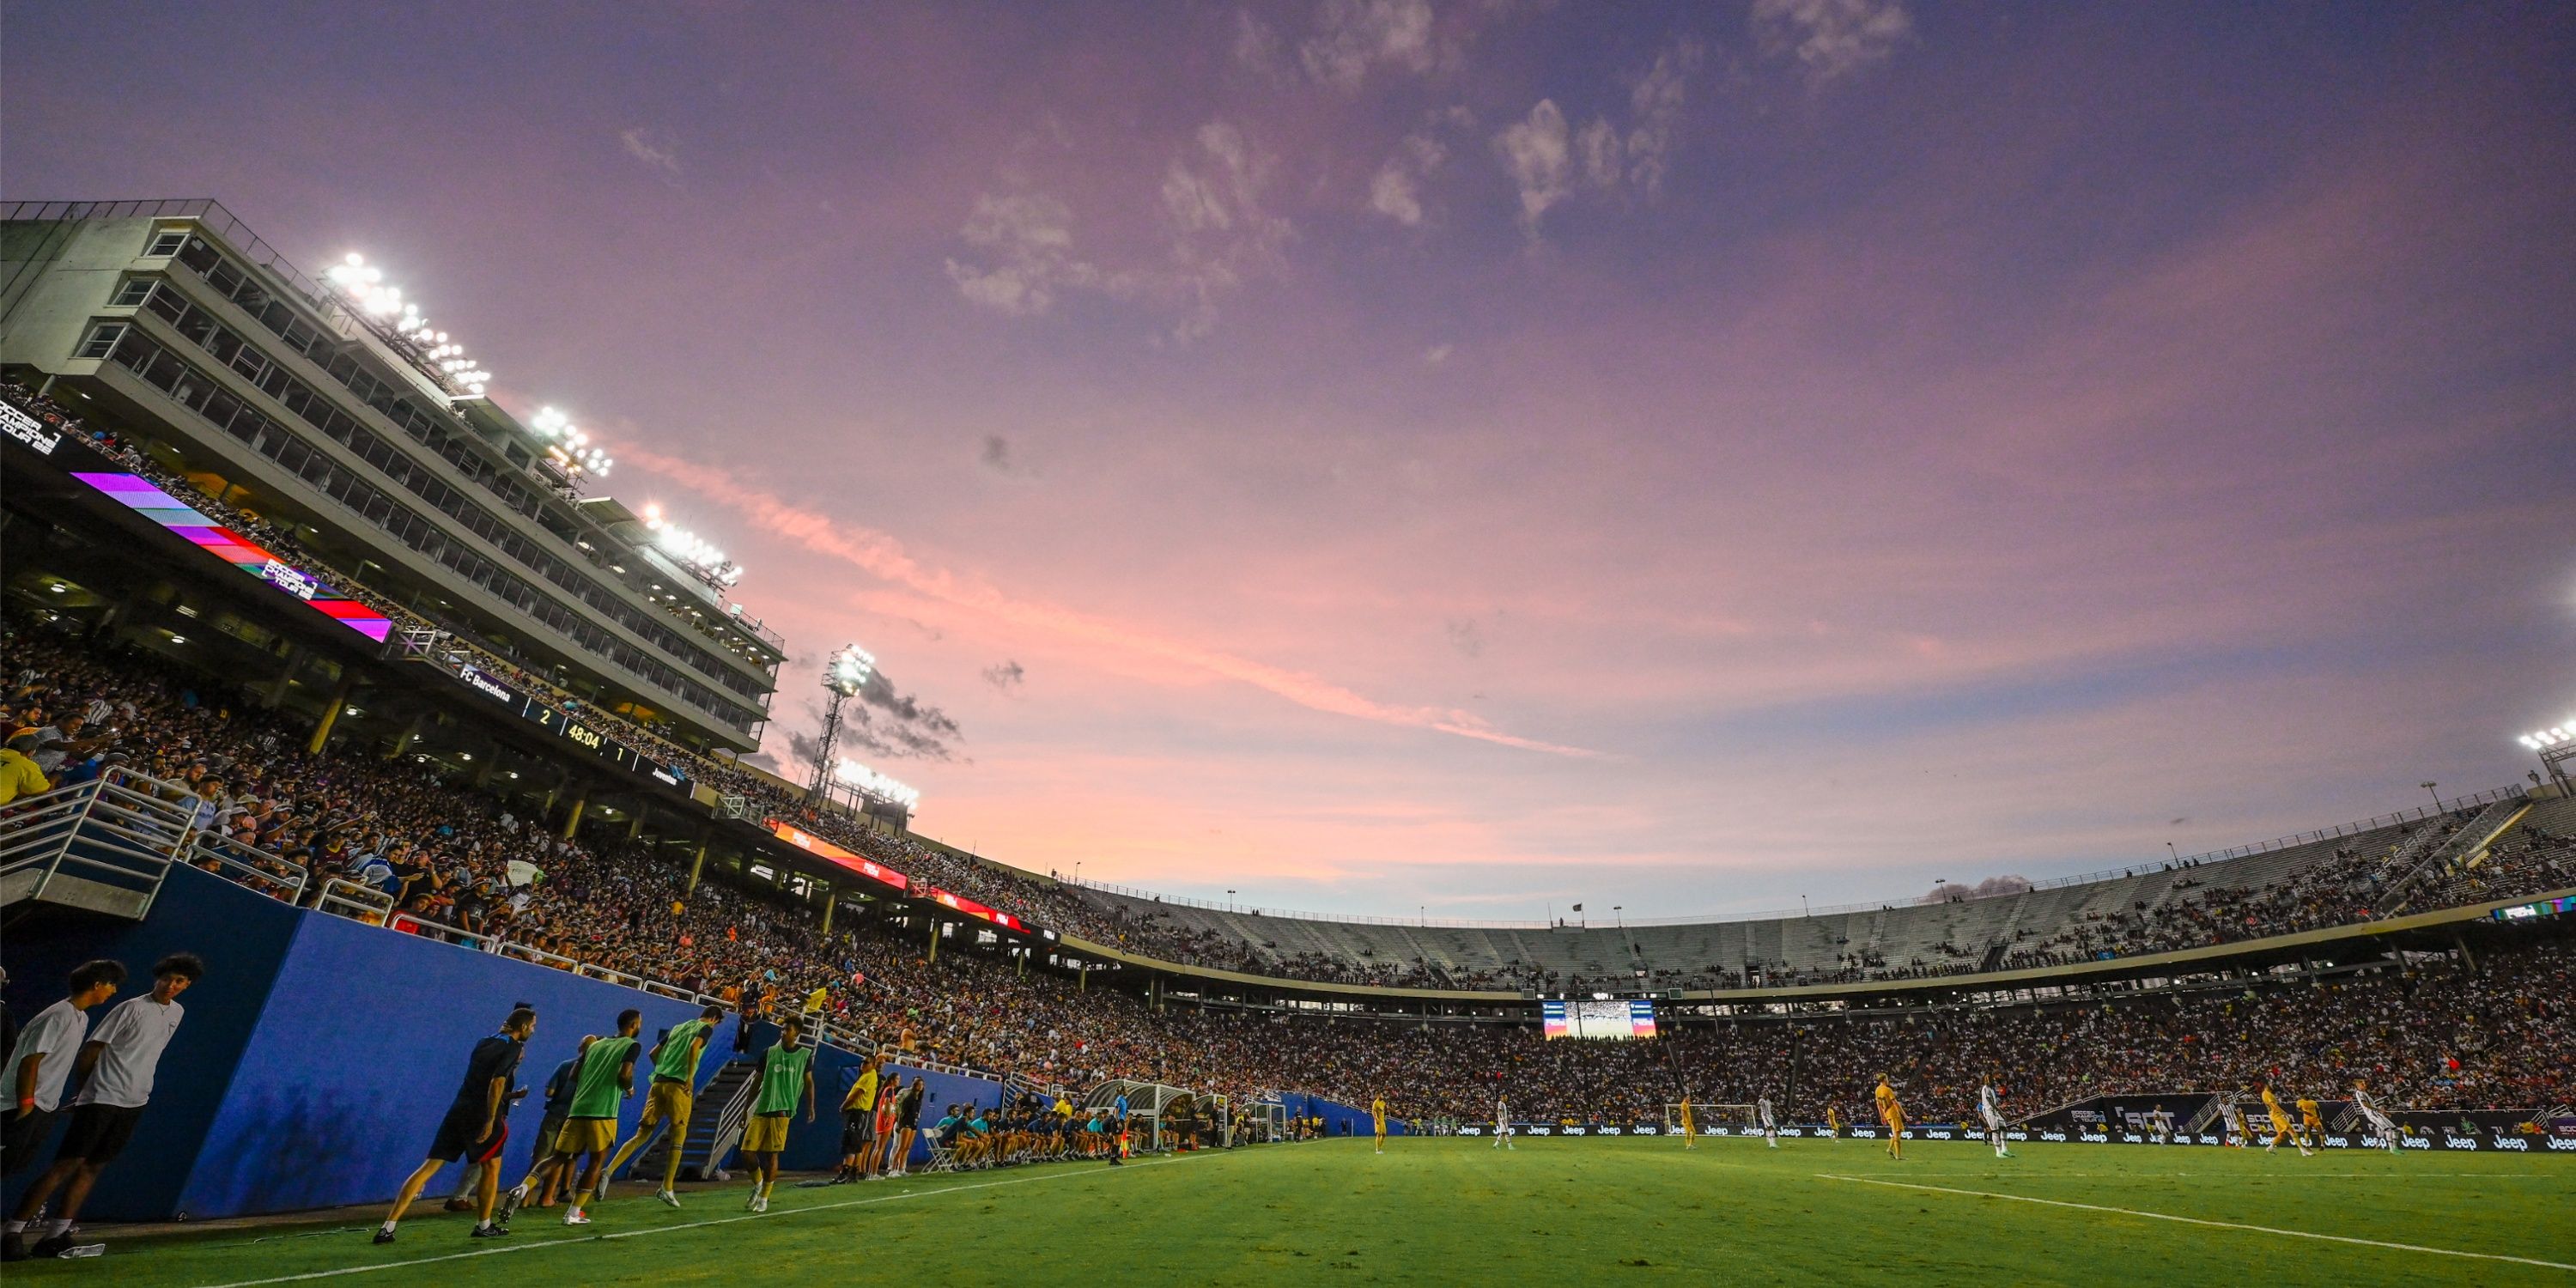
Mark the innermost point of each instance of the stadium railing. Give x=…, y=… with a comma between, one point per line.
x=249, y=868
x=116, y=835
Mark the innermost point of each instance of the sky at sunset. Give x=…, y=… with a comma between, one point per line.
x=1377, y=455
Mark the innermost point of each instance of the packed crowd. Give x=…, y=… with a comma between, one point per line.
x=2436, y=1037
x=2355, y=884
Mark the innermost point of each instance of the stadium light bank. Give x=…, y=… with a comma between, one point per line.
x=2556, y=746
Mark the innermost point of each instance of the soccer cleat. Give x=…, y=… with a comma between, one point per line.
x=752, y=1204
x=13, y=1247
x=53, y=1246
x=669, y=1199
x=760, y=1204
x=489, y=1232
x=510, y=1201
x=383, y=1235
x=576, y=1216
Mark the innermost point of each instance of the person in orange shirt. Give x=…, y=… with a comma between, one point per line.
x=1893, y=1114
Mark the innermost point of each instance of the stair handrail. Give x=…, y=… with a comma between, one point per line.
x=144, y=824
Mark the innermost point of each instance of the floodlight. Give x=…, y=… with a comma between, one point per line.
x=848, y=671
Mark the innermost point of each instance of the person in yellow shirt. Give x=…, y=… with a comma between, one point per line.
x=2312, y=1120
x=1690, y=1126
x=1377, y=1117
x=1893, y=1114
x=1833, y=1123
x=859, y=1123
x=2280, y=1124
x=19, y=773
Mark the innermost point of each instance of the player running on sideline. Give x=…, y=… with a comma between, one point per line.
x=473, y=1130
x=1503, y=1123
x=606, y=1077
x=2381, y=1125
x=2281, y=1129
x=1690, y=1126
x=786, y=1073
x=1377, y=1119
x=667, y=1105
x=1893, y=1114
x=1770, y=1130
x=1990, y=1107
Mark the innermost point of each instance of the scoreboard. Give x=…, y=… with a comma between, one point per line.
x=1616, y=1019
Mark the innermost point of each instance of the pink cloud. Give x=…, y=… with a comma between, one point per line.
x=881, y=555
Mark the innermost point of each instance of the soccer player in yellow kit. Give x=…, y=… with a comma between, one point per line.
x=1690, y=1126
x=2280, y=1124
x=1893, y=1114
x=1377, y=1118
x=1833, y=1123
x=2312, y=1121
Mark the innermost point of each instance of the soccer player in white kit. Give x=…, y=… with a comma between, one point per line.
x=1503, y=1123
x=1990, y=1107
x=1770, y=1132
x=2379, y=1121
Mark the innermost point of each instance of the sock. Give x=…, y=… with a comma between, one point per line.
x=17, y=1227
x=57, y=1226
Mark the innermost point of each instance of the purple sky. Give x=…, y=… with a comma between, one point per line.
x=1382, y=453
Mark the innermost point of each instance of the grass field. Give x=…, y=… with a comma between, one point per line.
x=1456, y=1211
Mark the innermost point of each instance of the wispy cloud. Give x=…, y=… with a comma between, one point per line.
x=1831, y=39
x=1353, y=36
x=1537, y=153
x=1218, y=232
x=655, y=148
x=1549, y=160
x=882, y=556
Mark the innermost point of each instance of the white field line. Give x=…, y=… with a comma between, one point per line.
x=2193, y=1220
x=666, y=1229
x=2393, y=1174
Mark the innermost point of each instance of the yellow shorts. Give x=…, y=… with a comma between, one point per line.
x=766, y=1135
x=587, y=1136
x=2280, y=1125
x=667, y=1099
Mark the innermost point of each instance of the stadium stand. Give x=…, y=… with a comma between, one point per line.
x=2380, y=948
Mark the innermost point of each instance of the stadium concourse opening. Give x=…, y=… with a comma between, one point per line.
x=380, y=863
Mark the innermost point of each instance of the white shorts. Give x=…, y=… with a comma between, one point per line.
x=1994, y=1121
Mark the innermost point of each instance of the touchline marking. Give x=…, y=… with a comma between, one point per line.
x=664, y=1229
x=2395, y=1175
x=2193, y=1220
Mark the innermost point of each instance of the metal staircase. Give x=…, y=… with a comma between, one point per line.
x=103, y=846
x=717, y=1123
x=2459, y=850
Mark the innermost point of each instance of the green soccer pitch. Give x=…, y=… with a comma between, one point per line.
x=1443, y=1211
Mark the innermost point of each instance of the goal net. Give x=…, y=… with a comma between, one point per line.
x=1706, y=1117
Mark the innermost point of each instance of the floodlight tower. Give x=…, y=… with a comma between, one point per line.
x=844, y=676
x=2556, y=746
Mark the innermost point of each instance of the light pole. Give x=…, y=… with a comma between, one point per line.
x=1229, y=901
x=844, y=676
x=2555, y=746
x=2177, y=854
x=2437, y=796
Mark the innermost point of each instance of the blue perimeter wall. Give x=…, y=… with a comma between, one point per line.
x=319, y=1054
x=1339, y=1119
